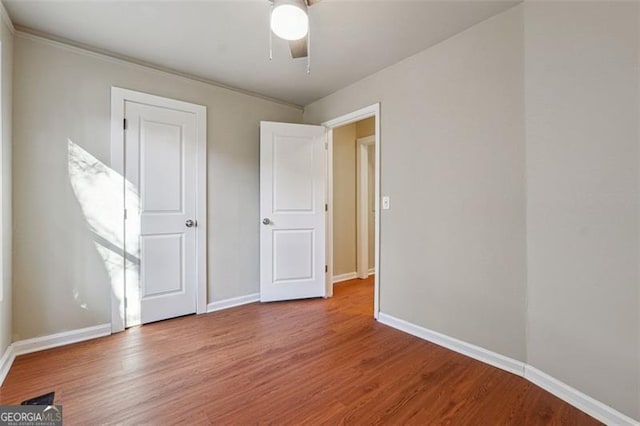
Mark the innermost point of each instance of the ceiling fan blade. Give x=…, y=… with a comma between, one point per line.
x=298, y=48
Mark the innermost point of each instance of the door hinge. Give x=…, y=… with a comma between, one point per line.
x=326, y=269
x=124, y=123
x=326, y=207
x=326, y=145
x=125, y=214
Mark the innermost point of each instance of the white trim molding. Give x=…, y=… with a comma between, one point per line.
x=352, y=117
x=372, y=271
x=119, y=97
x=7, y=20
x=233, y=302
x=361, y=114
x=22, y=347
x=581, y=401
x=6, y=362
x=27, y=346
x=345, y=277
x=362, y=204
x=476, y=352
x=109, y=56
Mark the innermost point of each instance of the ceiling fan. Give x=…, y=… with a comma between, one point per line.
x=290, y=21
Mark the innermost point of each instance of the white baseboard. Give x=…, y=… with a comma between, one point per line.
x=22, y=347
x=5, y=363
x=234, y=301
x=350, y=276
x=344, y=277
x=481, y=354
x=589, y=405
x=581, y=401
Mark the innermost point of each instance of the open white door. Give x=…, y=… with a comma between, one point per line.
x=292, y=210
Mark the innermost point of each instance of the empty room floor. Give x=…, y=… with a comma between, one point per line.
x=309, y=361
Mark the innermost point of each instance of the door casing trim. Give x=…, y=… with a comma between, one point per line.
x=352, y=117
x=362, y=205
x=118, y=98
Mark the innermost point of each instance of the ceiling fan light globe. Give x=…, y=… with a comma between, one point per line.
x=289, y=22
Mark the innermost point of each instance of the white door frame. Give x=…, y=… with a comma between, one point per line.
x=362, y=205
x=361, y=114
x=118, y=98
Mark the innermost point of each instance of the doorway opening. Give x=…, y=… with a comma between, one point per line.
x=353, y=188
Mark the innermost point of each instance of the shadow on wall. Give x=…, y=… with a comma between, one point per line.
x=98, y=190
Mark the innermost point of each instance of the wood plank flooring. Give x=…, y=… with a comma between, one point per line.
x=303, y=362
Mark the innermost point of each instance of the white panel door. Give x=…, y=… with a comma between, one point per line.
x=292, y=211
x=160, y=167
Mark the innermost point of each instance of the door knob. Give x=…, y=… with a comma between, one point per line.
x=266, y=221
x=190, y=223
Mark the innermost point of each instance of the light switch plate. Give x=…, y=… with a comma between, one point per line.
x=385, y=202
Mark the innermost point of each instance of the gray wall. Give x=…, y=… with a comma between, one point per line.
x=6, y=39
x=453, y=242
x=60, y=281
x=582, y=188
x=541, y=101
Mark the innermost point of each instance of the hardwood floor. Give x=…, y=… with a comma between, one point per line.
x=304, y=362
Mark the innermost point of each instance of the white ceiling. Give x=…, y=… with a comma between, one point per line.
x=227, y=41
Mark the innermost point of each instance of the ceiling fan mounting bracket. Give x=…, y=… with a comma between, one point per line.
x=309, y=3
